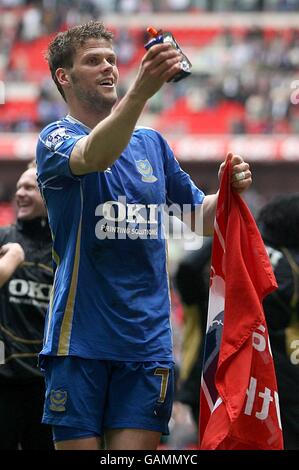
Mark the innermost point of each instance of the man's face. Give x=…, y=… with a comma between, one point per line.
x=94, y=74
x=28, y=199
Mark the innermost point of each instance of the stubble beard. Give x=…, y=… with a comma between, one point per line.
x=93, y=100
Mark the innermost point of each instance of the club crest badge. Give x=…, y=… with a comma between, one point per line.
x=145, y=169
x=58, y=400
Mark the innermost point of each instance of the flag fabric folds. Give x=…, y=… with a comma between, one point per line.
x=239, y=407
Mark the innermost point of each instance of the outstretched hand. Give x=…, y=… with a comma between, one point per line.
x=160, y=63
x=241, y=175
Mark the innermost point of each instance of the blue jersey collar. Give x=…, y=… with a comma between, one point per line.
x=76, y=121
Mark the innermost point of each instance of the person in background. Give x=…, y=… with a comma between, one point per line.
x=26, y=278
x=192, y=281
x=278, y=222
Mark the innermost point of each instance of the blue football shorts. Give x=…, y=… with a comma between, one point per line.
x=86, y=396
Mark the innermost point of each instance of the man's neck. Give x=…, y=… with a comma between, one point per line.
x=87, y=116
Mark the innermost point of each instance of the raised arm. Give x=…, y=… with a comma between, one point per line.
x=105, y=143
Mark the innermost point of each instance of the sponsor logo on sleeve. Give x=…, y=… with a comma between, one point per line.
x=56, y=138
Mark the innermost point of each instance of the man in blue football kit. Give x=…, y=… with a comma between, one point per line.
x=107, y=352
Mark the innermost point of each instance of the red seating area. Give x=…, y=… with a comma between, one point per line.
x=192, y=36
x=27, y=63
x=14, y=111
x=27, y=59
x=181, y=118
x=7, y=214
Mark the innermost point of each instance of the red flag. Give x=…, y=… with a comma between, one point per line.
x=239, y=406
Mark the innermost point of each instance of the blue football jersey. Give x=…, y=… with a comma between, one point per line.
x=110, y=297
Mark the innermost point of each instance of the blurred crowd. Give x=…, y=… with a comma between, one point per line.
x=144, y=6
x=251, y=68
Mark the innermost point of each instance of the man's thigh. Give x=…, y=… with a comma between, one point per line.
x=140, y=397
x=76, y=391
x=132, y=439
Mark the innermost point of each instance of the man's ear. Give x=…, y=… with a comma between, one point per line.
x=62, y=76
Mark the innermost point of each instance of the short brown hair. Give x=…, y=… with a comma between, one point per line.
x=31, y=164
x=62, y=49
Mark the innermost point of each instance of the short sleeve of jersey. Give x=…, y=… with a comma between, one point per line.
x=54, y=149
x=180, y=189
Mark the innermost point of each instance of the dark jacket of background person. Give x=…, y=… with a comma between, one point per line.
x=23, y=302
x=192, y=282
x=279, y=225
